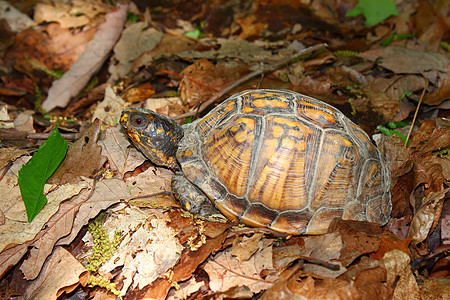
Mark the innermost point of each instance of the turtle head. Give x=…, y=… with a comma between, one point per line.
x=154, y=135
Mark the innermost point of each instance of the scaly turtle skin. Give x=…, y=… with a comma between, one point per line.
x=269, y=158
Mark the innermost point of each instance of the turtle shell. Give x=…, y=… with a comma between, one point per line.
x=285, y=161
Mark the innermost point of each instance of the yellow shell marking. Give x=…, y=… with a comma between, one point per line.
x=320, y=115
x=280, y=169
x=229, y=152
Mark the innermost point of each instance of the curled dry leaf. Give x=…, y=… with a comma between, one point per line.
x=426, y=216
x=399, y=275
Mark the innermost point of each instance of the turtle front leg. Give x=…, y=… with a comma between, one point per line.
x=193, y=199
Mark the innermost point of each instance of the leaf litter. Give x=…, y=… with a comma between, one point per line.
x=380, y=71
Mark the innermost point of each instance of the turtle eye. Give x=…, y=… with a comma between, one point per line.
x=139, y=121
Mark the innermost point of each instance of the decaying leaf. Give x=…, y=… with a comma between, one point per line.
x=107, y=192
x=148, y=247
x=244, y=248
x=189, y=261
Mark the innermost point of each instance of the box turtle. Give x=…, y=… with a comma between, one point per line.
x=269, y=158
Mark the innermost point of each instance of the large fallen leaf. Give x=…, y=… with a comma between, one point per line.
x=407, y=61
x=61, y=274
x=107, y=192
x=89, y=62
x=428, y=214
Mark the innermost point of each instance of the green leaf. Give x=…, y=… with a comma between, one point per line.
x=34, y=174
x=374, y=11
x=195, y=34
x=389, y=132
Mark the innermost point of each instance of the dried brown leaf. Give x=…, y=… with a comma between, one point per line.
x=324, y=247
x=147, y=249
x=358, y=238
x=407, y=61
x=121, y=157
x=435, y=289
x=60, y=274
x=299, y=287
x=109, y=109
x=399, y=275
x=244, y=247
x=226, y=271
x=427, y=216
x=135, y=39
x=50, y=46
x=83, y=158
x=58, y=226
x=10, y=154
x=107, y=192
x=389, y=243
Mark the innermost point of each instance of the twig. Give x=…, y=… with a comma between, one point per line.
x=415, y=114
x=19, y=136
x=260, y=71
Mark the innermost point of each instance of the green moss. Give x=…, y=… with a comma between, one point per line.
x=104, y=283
x=103, y=248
